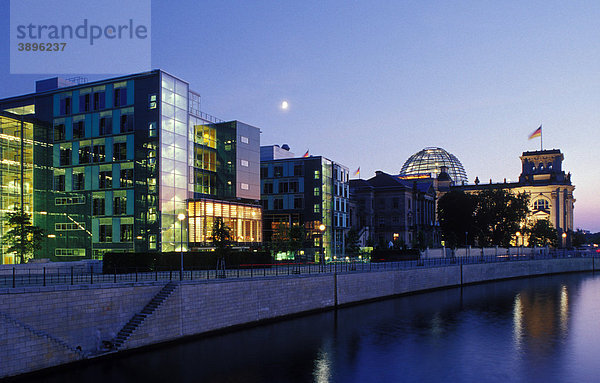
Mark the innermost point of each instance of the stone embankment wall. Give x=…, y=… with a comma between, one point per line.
x=49, y=326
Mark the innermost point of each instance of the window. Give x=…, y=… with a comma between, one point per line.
x=126, y=179
x=84, y=154
x=99, y=100
x=99, y=153
x=396, y=203
x=278, y=171
x=120, y=205
x=244, y=163
x=98, y=205
x=65, y=105
x=298, y=169
x=244, y=186
x=293, y=186
x=105, y=178
x=126, y=232
x=59, y=182
x=283, y=187
x=264, y=172
x=244, y=139
x=317, y=174
x=267, y=188
x=298, y=202
x=278, y=204
x=69, y=226
x=541, y=204
x=120, y=151
x=152, y=242
x=126, y=123
x=65, y=155
x=152, y=130
x=317, y=191
x=120, y=97
x=78, y=180
x=84, y=102
x=59, y=132
x=105, y=233
x=78, y=129
x=317, y=208
x=152, y=101
x=105, y=126
x=76, y=200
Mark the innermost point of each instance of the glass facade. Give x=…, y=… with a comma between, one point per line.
x=245, y=221
x=174, y=161
x=16, y=172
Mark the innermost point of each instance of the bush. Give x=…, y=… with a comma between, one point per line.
x=197, y=260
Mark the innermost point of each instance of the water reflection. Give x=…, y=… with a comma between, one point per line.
x=517, y=331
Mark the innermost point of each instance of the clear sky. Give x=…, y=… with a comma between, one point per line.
x=371, y=82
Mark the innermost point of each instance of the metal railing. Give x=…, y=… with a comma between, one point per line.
x=54, y=276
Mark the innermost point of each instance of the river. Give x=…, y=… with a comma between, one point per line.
x=543, y=329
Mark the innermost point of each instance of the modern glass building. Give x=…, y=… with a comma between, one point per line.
x=309, y=191
x=118, y=160
x=429, y=161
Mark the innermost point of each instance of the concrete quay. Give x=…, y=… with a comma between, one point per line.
x=44, y=327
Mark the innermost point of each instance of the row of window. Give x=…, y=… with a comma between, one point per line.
x=105, y=233
x=93, y=101
x=105, y=127
x=93, y=153
x=119, y=205
x=69, y=252
x=76, y=200
x=69, y=226
x=278, y=171
x=104, y=181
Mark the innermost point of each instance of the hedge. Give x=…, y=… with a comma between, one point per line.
x=145, y=262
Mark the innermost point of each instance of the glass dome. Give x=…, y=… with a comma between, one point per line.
x=430, y=160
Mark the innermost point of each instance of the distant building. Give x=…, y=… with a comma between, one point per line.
x=111, y=165
x=308, y=191
x=394, y=209
x=549, y=188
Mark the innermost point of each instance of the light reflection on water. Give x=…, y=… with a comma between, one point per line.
x=539, y=329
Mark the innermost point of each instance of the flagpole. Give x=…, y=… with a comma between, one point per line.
x=541, y=138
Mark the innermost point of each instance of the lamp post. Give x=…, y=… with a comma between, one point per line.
x=518, y=234
x=181, y=217
x=564, y=242
x=322, y=256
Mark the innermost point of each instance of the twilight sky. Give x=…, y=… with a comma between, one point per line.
x=371, y=82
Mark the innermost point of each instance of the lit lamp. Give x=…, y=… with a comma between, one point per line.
x=564, y=237
x=181, y=217
x=322, y=258
x=518, y=234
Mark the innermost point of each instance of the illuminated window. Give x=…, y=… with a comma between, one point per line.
x=317, y=208
x=244, y=163
x=317, y=174
x=541, y=204
x=317, y=192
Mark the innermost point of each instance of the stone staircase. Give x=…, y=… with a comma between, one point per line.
x=43, y=334
x=140, y=317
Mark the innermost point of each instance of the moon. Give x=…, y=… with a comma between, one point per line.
x=285, y=105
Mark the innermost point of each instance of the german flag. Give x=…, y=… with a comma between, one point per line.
x=536, y=133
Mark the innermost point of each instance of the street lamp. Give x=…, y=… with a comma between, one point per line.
x=181, y=217
x=322, y=257
x=564, y=239
x=518, y=234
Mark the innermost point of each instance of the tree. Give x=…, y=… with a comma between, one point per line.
x=288, y=239
x=455, y=212
x=22, y=238
x=352, y=245
x=498, y=216
x=542, y=233
x=221, y=237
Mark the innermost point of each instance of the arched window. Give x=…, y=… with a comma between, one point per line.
x=541, y=204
